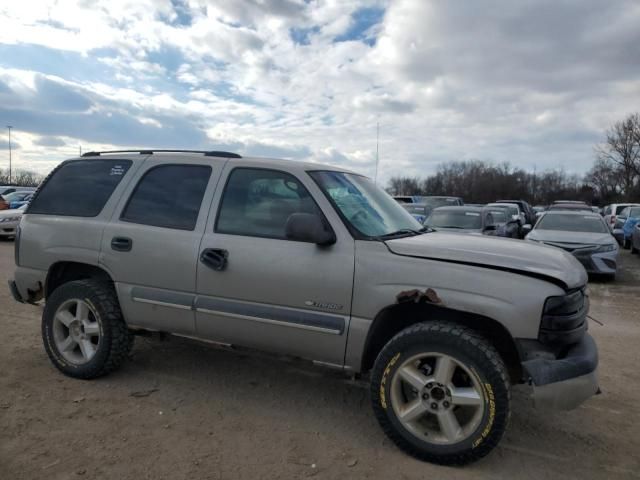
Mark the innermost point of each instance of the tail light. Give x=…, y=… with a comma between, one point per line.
x=612, y=220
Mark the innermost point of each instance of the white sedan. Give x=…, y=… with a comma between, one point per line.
x=9, y=221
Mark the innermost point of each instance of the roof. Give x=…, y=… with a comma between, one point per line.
x=459, y=208
x=142, y=154
x=574, y=211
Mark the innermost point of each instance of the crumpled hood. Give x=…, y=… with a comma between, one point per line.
x=563, y=238
x=499, y=253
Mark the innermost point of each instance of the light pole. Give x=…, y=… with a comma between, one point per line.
x=9, y=127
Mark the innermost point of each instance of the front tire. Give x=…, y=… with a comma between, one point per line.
x=84, y=333
x=441, y=393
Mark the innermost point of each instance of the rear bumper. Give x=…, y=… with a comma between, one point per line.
x=562, y=383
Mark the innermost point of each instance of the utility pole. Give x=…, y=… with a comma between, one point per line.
x=9, y=127
x=375, y=180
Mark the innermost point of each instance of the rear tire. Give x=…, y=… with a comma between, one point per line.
x=433, y=419
x=84, y=333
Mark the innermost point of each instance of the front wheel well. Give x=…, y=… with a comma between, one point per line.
x=64, y=272
x=395, y=318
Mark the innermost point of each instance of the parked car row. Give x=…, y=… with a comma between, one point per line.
x=570, y=225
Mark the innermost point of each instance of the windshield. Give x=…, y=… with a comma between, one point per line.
x=371, y=211
x=572, y=223
x=413, y=208
x=435, y=202
x=499, y=216
x=454, y=219
x=634, y=212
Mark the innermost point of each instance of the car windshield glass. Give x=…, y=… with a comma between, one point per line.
x=572, y=223
x=413, y=208
x=511, y=209
x=619, y=209
x=367, y=208
x=436, y=202
x=499, y=216
x=634, y=212
x=454, y=219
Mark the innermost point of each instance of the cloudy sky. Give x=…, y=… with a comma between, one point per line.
x=531, y=82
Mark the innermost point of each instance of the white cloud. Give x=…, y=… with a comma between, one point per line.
x=532, y=82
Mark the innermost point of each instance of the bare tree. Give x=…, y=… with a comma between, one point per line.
x=622, y=148
x=21, y=178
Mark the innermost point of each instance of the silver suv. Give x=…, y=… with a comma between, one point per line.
x=310, y=261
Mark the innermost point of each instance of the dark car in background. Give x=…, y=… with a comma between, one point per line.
x=507, y=223
x=408, y=198
x=462, y=219
x=419, y=211
x=529, y=212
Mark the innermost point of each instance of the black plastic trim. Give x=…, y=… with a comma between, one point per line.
x=14, y=292
x=152, y=295
x=206, y=153
x=285, y=315
x=581, y=359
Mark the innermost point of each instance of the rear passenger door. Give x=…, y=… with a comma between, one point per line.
x=150, y=247
x=272, y=293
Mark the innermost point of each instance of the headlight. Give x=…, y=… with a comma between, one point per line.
x=9, y=219
x=565, y=305
x=564, y=319
x=607, y=248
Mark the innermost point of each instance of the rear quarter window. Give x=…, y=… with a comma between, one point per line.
x=79, y=188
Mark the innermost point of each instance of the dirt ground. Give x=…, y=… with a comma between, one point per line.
x=184, y=410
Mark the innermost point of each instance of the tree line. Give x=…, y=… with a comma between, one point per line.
x=20, y=178
x=614, y=176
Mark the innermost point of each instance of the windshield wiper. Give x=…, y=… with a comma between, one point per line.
x=403, y=232
x=450, y=226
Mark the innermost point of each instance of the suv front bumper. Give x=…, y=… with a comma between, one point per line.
x=562, y=383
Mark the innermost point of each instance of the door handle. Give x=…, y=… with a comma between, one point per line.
x=215, y=258
x=121, y=244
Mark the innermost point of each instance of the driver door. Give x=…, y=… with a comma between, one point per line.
x=258, y=289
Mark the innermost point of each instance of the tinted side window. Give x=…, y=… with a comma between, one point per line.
x=168, y=196
x=79, y=188
x=258, y=202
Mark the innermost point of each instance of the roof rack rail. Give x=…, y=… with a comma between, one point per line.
x=206, y=153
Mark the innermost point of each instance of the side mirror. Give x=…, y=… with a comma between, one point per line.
x=309, y=227
x=526, y=228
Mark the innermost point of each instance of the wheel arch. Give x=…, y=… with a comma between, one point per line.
x=64, y=271
x=395, y=318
